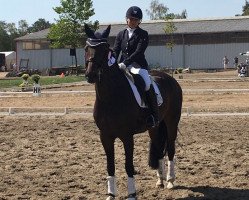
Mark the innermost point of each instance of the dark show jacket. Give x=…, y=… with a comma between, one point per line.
x=132, y=49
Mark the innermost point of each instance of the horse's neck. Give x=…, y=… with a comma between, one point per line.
x=111, y=85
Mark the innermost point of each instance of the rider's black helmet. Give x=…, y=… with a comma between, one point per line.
x=134, y=12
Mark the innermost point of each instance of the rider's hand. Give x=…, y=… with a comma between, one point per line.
x=122, y=66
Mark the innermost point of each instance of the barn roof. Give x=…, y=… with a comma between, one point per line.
x=184, y=26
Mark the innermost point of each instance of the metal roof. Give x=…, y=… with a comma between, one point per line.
x=184, y=26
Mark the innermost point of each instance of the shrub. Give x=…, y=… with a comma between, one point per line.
x=25, y=77
x=35, y=78
x=25, y=82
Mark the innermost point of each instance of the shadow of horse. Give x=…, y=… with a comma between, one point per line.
x=212, y=193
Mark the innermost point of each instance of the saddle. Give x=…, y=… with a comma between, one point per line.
x=137, y=85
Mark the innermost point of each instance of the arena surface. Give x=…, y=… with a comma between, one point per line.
x=48, y=157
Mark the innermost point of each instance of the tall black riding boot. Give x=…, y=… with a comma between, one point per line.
x=153, y=119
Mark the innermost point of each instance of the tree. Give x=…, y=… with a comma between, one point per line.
x=169, y=30
x=68, y=31
x=160, y=11
x=23, y=27
x=39, y=25
x=157, y=10
x=9, y=32
x=4, y=37
x=13, y=33
x=183, y=15
x=245, y=9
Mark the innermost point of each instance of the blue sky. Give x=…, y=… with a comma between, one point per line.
x=114, y=10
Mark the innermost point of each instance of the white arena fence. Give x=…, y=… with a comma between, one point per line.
x=185, y=91
x=31, y=111
x=88, y=111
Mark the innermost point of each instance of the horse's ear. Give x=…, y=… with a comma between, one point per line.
x=89, y=32
x=106, y=32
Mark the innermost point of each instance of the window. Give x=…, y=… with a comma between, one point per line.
x=38, y=44
x=27, y=45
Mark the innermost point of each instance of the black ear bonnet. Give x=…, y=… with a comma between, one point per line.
x=96, y=38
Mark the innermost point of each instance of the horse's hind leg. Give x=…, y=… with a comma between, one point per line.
x=172, y=134
x=168, y=132
x=108, y=144
x=157, y=152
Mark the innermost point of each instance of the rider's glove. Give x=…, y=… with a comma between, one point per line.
x=122, y=66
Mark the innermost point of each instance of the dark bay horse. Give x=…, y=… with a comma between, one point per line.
x=118, y=115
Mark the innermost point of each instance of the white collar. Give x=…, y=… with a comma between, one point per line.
x=131, y=29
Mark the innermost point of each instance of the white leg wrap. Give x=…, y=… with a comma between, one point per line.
x=112, y=186
x=161, y=172
x=171, y=172
x=131, y=186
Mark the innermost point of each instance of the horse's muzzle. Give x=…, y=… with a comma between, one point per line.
x=92, y=72
x=90, y=78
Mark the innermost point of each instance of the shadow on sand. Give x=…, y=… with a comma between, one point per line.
x=215, y=193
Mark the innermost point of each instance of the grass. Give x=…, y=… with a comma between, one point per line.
x=44, y=80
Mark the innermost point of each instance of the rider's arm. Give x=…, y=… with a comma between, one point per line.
x=117, y=45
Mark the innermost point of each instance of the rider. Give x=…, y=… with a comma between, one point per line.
x=132, y=42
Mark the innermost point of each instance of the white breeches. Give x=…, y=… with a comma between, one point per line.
x=144, y=74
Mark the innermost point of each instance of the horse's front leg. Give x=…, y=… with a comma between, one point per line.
x=128, y=142
x=108, y=144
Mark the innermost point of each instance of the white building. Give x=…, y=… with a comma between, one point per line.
x=199, y=44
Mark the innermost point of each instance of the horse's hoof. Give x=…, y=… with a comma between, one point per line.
x=170, y=185
x=159, y=184
x=110, y=198
x=171, y=179
x=132, y=197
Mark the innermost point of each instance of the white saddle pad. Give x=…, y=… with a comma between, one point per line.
x=140, y=102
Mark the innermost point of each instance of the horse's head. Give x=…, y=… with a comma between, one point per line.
x=96, y=53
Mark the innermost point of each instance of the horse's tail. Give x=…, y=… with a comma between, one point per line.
x=158, y=145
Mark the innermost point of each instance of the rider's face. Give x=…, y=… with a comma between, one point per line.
x=133, y=22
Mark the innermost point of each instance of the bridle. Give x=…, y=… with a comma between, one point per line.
x=92, y=59
x=95, y=61
x=98, y=65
